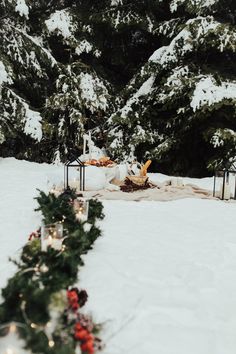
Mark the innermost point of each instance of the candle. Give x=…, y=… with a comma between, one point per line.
x=81, y=217
x=46, y=243
x=60, y=230
x=74, y=183
x=81, y=206
x=52, y=236
x=56, y=244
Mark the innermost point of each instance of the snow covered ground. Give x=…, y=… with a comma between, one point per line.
x=162, y=279
x=18, y=183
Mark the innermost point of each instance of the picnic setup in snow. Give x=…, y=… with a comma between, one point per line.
x=97, y=175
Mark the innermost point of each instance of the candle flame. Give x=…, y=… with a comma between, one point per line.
x=12, y=328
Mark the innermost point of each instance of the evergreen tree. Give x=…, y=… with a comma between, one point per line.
x=152, y=79
x=179, y=109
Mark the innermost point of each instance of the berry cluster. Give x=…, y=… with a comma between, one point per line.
x=83, y=327
x=85, y=337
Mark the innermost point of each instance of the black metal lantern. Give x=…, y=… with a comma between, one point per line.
x=228, y=183
x=74, y=162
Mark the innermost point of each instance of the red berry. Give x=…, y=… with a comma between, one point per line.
x=81, y=334
x=87, y=348
x=78, y=327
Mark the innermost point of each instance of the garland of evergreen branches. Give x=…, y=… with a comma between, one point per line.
x=39, y=295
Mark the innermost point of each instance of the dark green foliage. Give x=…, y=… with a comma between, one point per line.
x=28, y=294
x=107, y=49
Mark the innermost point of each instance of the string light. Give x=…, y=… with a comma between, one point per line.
x=51, y=343
x=33, y=325
x=49, y=324
x=32, y=269
x=44, y=268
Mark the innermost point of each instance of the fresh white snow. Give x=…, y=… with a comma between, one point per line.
x=83, y=47
x=116, y=2
x=32, y=119
x=144, y=90
x=39, y=43
x=93, y=92
x=22, y=8
x=161, y=279
x=18, y=183
x=208, y=92
x=198, y=4
x=60, y=21
x=169, y=53
x=33, y=126
x=4, y=77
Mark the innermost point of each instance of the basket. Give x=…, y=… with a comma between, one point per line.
x=139, y=180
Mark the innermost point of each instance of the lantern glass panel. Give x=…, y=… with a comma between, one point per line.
x=52, y=236
x=225, y=184
x=74, y=175
x=81, y=208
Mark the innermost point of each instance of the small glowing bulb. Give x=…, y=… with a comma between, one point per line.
x=33, y=325
x=51, y=343
x=44, y=268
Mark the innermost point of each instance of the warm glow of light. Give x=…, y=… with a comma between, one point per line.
x=12, y=328
x=44, y=268
x=51, y=343
x=33, y=325
x=9, y=351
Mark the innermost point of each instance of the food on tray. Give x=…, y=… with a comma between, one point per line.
x=102, y=162
x=144, y=168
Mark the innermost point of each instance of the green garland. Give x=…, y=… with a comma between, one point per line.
x=42, y=278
